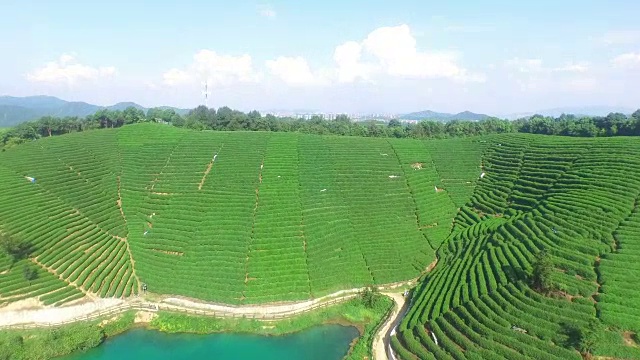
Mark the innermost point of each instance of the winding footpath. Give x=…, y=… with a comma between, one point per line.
x=381, y=343
x=30, y=314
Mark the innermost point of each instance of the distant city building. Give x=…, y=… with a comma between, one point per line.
x=333, y=116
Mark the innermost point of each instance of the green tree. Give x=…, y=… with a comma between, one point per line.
x=590, y=336
x=201, y=118
x=223, y=118
x=373, y=129
x=253, y=116
x=432, y=129
x=133, y=115
x=541, y=273
x=14, y=247
x=394, y=123
x=12, y=347
x=370, y=296
x=46, y=125
x=30, y=273
x=634, y=123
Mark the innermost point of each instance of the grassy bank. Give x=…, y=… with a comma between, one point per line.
x=354, y=313
x=51, y=342
x=46, y=343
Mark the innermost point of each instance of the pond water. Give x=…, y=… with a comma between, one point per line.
x=324, y=342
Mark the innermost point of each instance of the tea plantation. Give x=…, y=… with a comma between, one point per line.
x=232, y=217
x=575, y=198
x=258, y=217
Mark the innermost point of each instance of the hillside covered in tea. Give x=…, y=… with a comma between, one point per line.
x=576, y=200
x=232, y=217
x=261, y=217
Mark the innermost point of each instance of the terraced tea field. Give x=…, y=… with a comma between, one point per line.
x=232, y=217
x=240, y=218
x=576, y=198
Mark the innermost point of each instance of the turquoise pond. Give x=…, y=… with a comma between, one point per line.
x=326, y=342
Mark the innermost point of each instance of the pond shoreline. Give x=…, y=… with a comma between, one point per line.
x=92, y=333
x=322, y=342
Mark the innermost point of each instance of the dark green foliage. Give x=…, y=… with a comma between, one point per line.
x=590, y=336
x=369, y=296
x=49, y=343
x=30, y=273
x=224, y=118
x=542, y=270
x=16, y=248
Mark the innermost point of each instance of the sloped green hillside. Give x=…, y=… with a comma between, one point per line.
x=233, y=217
x=575, y=198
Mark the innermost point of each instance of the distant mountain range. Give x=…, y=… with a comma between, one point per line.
x=577, y=111
x=437, y=116
x=555, y=112
x=14, y=110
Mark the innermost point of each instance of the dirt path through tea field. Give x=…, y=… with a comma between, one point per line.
x=381, y=347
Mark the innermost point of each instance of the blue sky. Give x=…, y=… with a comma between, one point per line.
x=489, y=56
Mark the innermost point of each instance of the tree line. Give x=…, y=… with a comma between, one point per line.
x=224, y=118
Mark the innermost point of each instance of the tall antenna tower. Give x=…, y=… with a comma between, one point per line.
x=206, y=93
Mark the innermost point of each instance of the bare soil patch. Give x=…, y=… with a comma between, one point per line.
x=82, y=300
x=432, y=265
x=119, y=202
x=630, y=339
x=176, y=253
x=417, y=166
x=561, y=295
x=206, y=172
x=26, y=304
x=109, y=320
x=144, y=317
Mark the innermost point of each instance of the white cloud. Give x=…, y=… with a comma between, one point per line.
x=573, y=67
x=294, y=71
x=176, y=77
x=525, y=65
x=395, y=53
x=267, y=11
x=536, y=66
x=534, y=75
x=67, y=70
x=390, y=51
x=628, y=60
x=620, y=37
x=217, y=69
x=349, y=68
x=579, y=85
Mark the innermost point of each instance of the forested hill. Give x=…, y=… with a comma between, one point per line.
x=203, y=118
x=432, y=115
x=15, y=110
